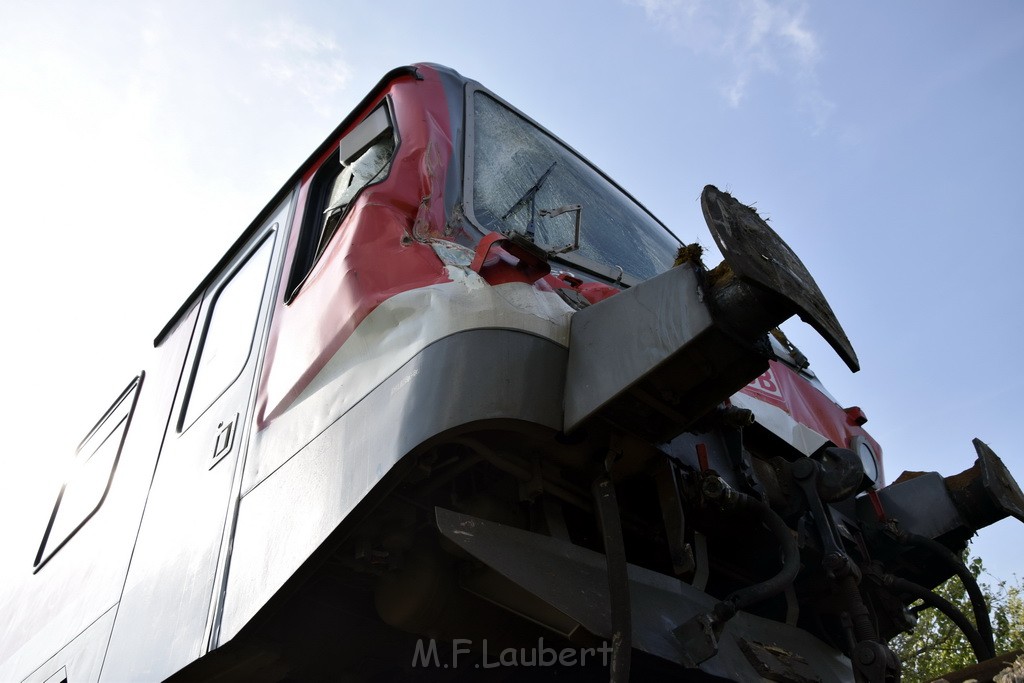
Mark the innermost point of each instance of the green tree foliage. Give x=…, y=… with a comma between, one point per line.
x=936, y=646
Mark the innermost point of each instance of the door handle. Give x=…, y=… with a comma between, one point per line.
x=225, y=440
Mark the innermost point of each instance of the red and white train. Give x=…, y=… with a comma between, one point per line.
x=456, y=407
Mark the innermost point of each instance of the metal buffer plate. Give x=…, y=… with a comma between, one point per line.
x=652, y=359
x=658, y=356
x=760, y=257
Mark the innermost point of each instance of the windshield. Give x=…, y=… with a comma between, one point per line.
x=526, y=181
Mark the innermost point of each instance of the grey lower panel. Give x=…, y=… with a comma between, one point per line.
x=467, y=378
x=79, y=660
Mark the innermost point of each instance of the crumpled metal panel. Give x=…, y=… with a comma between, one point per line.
x=759, y=256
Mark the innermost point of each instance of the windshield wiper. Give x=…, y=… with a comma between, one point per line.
x=528, y=198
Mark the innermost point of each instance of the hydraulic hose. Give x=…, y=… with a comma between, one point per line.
x=699, y=633
x=981, y=616
x=978, y=645
x=742, y=504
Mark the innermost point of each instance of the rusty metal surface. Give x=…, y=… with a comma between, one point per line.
x=774, y=663
x=1006, y=668
x=757, y=255
x=998, y=481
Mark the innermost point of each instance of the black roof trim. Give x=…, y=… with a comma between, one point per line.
x=285, y=189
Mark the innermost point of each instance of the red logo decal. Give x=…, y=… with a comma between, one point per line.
x=766, y=387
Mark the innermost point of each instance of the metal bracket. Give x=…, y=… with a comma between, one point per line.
x=551, y=213
x=618, y=579
x=671, y=500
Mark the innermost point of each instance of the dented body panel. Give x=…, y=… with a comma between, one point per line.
x=422, y=398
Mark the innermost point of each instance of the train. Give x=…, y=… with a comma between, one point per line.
x=456, y=407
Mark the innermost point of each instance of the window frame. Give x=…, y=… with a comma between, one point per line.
x=130, y=392
x=209, y=303
x=354, y=143
x=574, y=259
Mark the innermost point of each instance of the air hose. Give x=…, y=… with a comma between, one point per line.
x=699, y=634
x=978, y=645
x=981, y=617
x=737, y=503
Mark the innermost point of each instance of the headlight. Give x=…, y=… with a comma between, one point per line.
x=862, y=448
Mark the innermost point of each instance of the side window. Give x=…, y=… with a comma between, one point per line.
x=226, y=341
x=364, y=157
x=92, y=472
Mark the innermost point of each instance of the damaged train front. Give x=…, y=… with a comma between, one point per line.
x=722, y=512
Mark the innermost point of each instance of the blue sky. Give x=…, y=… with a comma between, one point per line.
x=883, y=140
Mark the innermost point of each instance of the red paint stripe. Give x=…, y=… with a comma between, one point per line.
x=372, y=257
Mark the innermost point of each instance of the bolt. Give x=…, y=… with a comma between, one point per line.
x=803, y=468
x=713, y=487
x=737, y=417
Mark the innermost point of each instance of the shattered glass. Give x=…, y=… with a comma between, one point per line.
x=369, y=167
x=518, y=171
x=366, y=168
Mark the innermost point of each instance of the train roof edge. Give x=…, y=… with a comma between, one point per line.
x=398, y=72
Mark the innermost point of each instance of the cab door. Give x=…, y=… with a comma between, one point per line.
x=168, y=607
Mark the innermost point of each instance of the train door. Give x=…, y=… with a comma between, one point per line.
x=168, y=607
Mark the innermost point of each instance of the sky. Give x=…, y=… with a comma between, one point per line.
x=882, y=140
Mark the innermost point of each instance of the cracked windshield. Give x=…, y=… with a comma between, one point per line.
x=525, y=181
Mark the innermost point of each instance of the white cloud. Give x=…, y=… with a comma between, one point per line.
x=300, y=57
x=754, y=38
